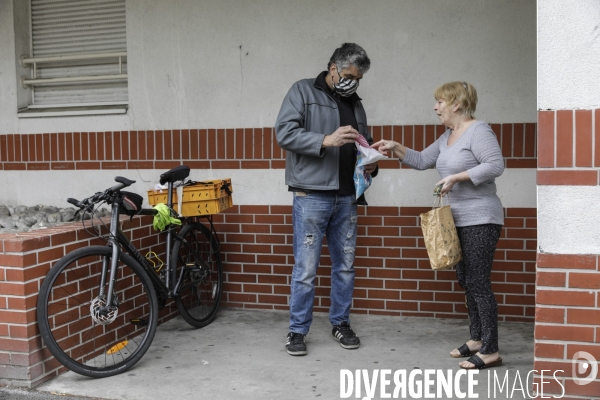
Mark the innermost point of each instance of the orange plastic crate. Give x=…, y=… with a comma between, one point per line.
x=202, y=198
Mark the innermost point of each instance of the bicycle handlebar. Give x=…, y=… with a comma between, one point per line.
x=90, y=201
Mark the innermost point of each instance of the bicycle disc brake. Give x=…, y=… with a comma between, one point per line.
x=100, y=313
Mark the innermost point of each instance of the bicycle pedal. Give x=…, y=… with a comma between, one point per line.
x=139, y=321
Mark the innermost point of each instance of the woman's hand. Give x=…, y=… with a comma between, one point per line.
x=447, y=184
x=383, y=146
x=449, y=181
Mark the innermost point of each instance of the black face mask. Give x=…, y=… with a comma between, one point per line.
x=345, y=87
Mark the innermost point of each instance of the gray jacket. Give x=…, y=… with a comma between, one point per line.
x=306, y=116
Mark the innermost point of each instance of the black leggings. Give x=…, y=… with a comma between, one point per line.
x=478, y=244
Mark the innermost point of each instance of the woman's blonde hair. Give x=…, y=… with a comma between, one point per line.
x=461, y=93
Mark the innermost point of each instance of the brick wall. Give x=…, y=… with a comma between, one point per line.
x=24, y=262
x=393, y=275
x=212, y=148
x=567, y=313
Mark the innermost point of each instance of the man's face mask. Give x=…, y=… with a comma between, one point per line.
x=345, y=86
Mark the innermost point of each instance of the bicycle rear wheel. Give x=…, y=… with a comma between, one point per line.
x=199, y=274
x=83, y=339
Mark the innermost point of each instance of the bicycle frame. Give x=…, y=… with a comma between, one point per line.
x=117, y=238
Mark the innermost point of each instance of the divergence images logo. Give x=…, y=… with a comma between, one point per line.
x=584, y=363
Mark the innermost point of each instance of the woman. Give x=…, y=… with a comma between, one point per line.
x=468, y=158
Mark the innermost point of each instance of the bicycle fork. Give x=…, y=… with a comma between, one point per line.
x=104, y=307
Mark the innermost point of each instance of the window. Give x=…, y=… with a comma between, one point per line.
x=78, y=58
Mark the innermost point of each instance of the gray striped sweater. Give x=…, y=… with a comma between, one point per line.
x=473, y=202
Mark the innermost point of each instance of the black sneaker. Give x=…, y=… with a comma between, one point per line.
x=295, y=345
x=345, y=335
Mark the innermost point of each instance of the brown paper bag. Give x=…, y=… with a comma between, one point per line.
x=441, y=238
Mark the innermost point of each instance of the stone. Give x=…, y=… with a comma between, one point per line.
x=7, y=222
x=54, y=218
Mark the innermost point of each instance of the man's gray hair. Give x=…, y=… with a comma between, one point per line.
x=350, y=54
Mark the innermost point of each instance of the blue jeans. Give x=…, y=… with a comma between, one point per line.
x=316, y=215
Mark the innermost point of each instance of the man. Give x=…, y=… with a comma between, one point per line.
x=318, y=123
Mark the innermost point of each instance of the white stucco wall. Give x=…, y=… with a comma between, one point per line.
x=568, y=220
x=568, y=60
x=399, y=188
x=568, y=54
x=229, y=63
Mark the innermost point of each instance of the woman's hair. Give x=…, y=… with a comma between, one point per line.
x=350, y=54
x=461, y=93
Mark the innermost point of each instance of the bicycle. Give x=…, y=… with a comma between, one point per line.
x=98, y=307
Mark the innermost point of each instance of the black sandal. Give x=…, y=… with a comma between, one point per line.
x=464, y=351
x=479, y=364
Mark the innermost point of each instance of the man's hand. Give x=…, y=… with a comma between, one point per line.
x=370, y=168
x=342, y=136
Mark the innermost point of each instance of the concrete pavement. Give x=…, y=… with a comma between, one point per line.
x=241, y=355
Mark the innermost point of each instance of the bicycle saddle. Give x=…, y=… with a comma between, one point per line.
x=176, y=174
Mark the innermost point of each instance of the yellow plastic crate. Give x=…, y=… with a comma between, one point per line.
x=202, y=198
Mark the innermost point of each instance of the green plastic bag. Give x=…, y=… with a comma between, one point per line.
x=163, y=218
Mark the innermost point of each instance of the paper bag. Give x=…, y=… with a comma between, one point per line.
x=441, y=238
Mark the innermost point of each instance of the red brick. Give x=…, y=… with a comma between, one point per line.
x=18, y=166
x=548, y=350
x=565, y=298
x=435, y=286
x=520, y=255
x=564, y=332
x=557, y=279
x=50, y=254
x=510, y=310
x=507, y=288
x=368, y=283
x=570, y=177
x=407, y=295
x=583, y=317
x=584, y=280
x=546, y=314
x=521, y=233
x=13, y=260
x=507, y=140
x=520, y=278
x=521, y=212
x=435, y=307
x=570, y=261
x=272, y=299
x=590, y=390
x=521, y=163
x=545, y=141
x=185, y=145
x=370, y=304
x=14, y=345
x=583, y=138
x=400, y=284
x=564, y=138
x=518, y=140
x=597, y=137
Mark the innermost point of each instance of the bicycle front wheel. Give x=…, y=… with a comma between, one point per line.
x=199, y=274
x=76, y=325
